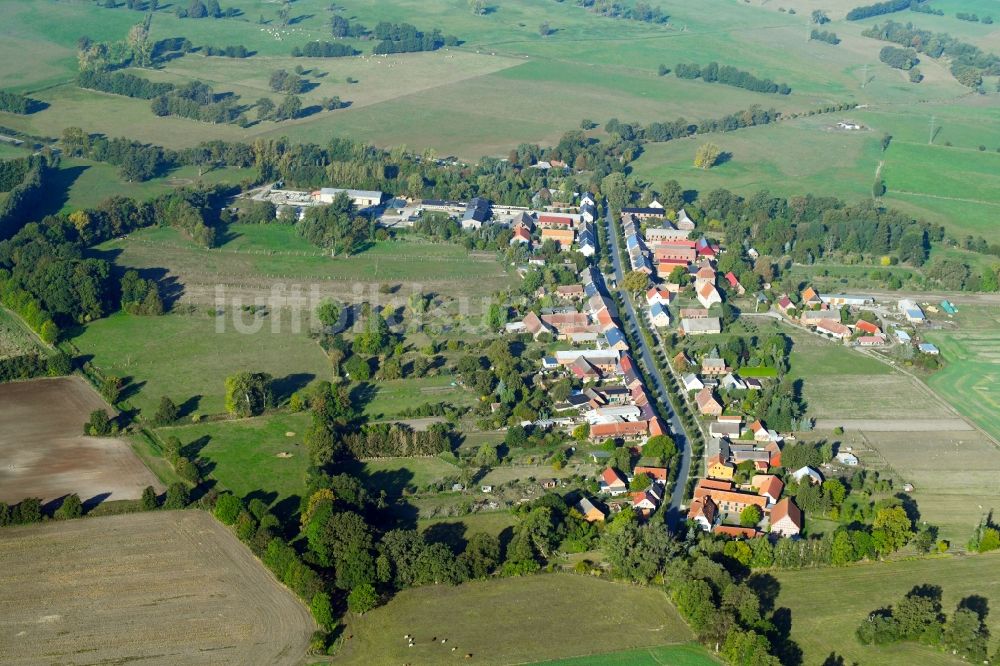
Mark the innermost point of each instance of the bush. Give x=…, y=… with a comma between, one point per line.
x=177, y=497
x=227, y=509
x=71, y=507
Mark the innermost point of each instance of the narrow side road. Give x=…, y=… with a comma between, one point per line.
x=659, y=386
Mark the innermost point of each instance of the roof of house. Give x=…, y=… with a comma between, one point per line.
x=705, y=397
x=611, y=477
x=784, y=302
x=833, y=327
x=786, y=508
x=809, y=295
x=570, y=290
x=703, y=506
x=657, y=427
x=737, y=532
x=556, y=219
x=705, y=273
x=720, y=496
x=768, y=484
x=732, y=279
x=658, y=309
x=614, y=336
x=621, y=429
x=657, y=473
x=707, y=290
x=586, y=507
x=708, y=324
x=867, y=327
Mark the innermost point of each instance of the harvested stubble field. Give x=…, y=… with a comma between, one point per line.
x=45, y=454
x=156, y=588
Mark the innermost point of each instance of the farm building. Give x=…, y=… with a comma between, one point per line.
x=928, y=348
x=786, y=518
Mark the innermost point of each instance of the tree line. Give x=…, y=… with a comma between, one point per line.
x=879, y=8
x=324, y=50
x=827, y=36
x=968, y=62
x=730, y=76
x=640, y=11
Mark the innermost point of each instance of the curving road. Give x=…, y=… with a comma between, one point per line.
x=659, y=387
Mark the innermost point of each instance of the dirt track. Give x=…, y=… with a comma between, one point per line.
x=895, y=425
x=43, y=453
x=153, y=588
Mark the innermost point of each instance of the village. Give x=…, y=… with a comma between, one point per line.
x=741, y=489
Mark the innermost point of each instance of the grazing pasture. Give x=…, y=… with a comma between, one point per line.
x=827, y=604
x=45, y=454
x=157, y=588
x=513, y=620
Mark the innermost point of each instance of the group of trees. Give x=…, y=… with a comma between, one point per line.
x=336, y=227
x=680, y=128
x=139, y=295
x=904, y=59
x=640, y=11
x=122, y=83
x=204, y=9
x=973, y=18
x=343, y=28
x=237, y=51
x=730, y=76
x=879, y=8
x=827, y=36
x=969, y=64
x=919, y=617
x=405, y=38
x=16, y=103
x=198, y=101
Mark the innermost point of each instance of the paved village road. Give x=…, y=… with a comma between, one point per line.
x=629, y=319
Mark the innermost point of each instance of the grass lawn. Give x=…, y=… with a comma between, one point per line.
x=827, y=604
x=460, y=529
x=672, y=655
x=514, y=620
x=393, y=475
x=243, y=455
x=389, y=398
x=970, y=380
x=186, y=358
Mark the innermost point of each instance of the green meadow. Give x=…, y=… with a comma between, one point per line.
x=187, y=357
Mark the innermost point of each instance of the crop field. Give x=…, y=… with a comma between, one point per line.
x=15, y=338
x=253, y=259
x=970, y=380
x=156, y=588
x=672, y=655
x=822, y=625
x=261, y=457
x=514, y=620
x=186, y=357
x=46, y=455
